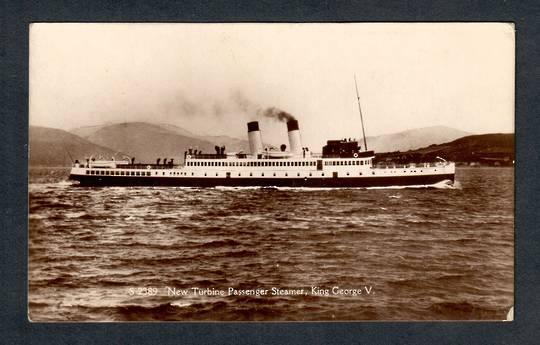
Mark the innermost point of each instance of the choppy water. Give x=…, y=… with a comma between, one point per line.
x=423, y=254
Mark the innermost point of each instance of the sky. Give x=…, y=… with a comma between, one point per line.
x=213, y=78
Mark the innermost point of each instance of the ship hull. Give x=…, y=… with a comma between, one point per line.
x=307, y=182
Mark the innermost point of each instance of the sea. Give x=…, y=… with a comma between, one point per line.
x=272, y=254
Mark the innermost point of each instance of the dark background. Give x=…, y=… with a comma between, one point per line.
x=15, y=19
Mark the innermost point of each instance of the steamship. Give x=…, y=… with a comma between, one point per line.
x=342, y=163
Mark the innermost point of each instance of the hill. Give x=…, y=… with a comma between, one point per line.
x=50, y=147
x=232, y=144
x=485, y=149
x=414, y=138
x=147, y=142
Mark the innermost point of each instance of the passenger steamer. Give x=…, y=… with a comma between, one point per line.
x=342, y=163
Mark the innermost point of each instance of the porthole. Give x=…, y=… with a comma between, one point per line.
x=216, y=174
x=262, y=174
x=310, y=174
x=298, y=174
x=274, y=174
x=250, y=174
x=204, y=174
x=239, y=174
x=286, y=174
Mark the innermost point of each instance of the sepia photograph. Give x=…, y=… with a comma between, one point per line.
x=232, y=172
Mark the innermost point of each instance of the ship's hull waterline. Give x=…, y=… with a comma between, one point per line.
x=307, y=182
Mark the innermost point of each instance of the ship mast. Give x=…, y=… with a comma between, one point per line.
x=360, y=111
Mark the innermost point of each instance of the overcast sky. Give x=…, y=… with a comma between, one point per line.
x=213, y=78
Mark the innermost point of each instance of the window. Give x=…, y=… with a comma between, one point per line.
x=361, y=162
x=347, y=174
x=133, y=173
x=148, y=173
x=87, y=172
x=295, y=164
x=122, y=173
x=138, y=173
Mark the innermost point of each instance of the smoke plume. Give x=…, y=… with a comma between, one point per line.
x=251, y=108
x=276, y=114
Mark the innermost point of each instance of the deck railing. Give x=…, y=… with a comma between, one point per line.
x=410, y=165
